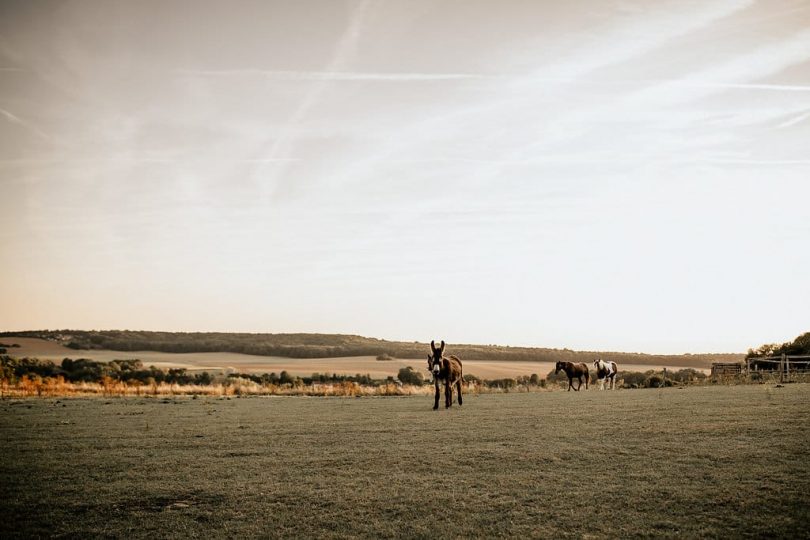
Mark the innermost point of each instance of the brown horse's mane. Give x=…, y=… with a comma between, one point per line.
x=569, y=365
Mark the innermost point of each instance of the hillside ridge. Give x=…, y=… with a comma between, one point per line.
x=313, y=345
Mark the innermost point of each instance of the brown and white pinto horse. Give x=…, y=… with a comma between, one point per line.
x=446, y=370
x=574, y=370
x=606, y=371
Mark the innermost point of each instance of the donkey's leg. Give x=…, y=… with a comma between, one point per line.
x=570, y=381
x=458, y=389
x=448, y=394
x=436, y=403
x=579, y=378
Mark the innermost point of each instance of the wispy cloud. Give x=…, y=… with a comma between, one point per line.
x=795, y=120
x=765, y=162
x=738, y=86
x=512, y=102
x=138, y=159
x=330, y=75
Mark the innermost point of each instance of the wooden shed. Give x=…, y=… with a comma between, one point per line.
x=726, y=368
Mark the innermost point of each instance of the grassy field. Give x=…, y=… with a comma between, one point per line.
x=725, y=461
x=303, y=367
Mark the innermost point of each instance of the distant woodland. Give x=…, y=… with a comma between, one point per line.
x=799, y=346
x=337, y=345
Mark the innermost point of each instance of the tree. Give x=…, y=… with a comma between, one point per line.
x=799, y=346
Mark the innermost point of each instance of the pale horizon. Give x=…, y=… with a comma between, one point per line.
x=600, y=176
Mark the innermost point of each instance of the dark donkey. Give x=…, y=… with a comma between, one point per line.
x=447, y=370
x=574, y=370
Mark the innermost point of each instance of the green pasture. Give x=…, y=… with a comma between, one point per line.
x=724, y=461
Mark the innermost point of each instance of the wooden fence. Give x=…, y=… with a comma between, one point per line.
x=785, y=365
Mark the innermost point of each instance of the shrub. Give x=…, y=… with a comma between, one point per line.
x=506, y=384
x=407, y=375
x=558, y=377
x=634, y=379
x=686, y=376
x=472, y=379
x=654, y=381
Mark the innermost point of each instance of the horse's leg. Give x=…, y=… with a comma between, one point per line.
x=458, y=385
x=570, y=380
x=448, y=394
x=579, y=378
x=436, y=403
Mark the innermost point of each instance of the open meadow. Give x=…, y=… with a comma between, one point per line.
x=219, y=362
x=725, y=461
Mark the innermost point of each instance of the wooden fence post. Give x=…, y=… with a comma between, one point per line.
x=782, y=368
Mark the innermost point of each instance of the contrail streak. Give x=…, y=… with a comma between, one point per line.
x=283, y=143
x=19, y=121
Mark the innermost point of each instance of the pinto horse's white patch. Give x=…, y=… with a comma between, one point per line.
x=606, y=371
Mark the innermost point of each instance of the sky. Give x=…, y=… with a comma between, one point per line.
x=597, y=175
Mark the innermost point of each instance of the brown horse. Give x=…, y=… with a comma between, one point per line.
x=574, y=370
x=447, y=370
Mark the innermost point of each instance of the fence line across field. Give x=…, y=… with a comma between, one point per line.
x=778, y=359
x=783, y=361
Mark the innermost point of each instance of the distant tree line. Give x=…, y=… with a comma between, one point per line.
x=132, y=371
x=336, y=345
x=316, y=378
x=798, y=347
x=92, y=371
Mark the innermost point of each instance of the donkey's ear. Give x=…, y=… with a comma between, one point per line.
x=442, y=349
x=432, y=346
